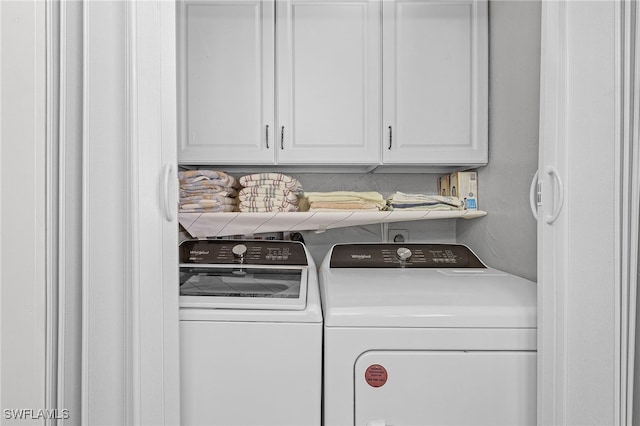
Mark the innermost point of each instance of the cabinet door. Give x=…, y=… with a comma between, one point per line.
x=329, y=82
x=227, y=81
x=435, y=82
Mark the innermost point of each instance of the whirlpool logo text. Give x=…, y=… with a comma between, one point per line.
x=361, y=256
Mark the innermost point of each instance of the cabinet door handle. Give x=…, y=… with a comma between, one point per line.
x=390, y=136
x=557, y=204
x=266, y=135
x=167, y=201
x=534, y=193
x=282, y=137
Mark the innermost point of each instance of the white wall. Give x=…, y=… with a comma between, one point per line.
x=22, y=208
x=506, y=238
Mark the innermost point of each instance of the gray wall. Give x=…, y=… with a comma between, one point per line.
x=506, y=238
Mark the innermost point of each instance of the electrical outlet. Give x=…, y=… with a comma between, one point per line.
x=398, y=236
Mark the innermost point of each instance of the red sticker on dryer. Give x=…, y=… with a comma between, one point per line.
x=375, y=375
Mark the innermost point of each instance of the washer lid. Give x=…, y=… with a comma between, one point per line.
x=438, y=298
x=243, y=287
x=243, y=274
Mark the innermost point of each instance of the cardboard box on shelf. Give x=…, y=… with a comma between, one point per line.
x=464, y=185
x=443, y=185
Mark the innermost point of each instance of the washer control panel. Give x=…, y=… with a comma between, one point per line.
x=406, y=255
x=257, y=252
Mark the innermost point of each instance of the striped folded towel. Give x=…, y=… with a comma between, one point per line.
x=265, y=194
x=280, y=201
x=262, y=206
x=276, y=180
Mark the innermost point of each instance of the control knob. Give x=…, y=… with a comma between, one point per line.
x=239, y=251
x=403, y=254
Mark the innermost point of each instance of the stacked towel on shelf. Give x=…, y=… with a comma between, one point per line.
x=345, y=200
x=207, y=191
x=402, y=201
x=269, y=192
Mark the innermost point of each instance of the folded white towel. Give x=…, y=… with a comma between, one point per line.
x=349, y=205
x=195, y=197
x=198, y=177
x=198, y=208
x=207, y=191
x=344, y=200
x=402, y=201
x=211, y=202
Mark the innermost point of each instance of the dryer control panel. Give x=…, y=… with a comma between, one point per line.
x=413, y=255
x=249, y=252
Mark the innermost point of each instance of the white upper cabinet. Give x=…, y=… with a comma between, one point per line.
x=333, y=82
x=435, y=82
x=226, y=80
x=329, y=82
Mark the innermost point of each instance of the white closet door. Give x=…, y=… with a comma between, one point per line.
x=227, y=86
x=130, y=342
x=580, y=185
x=435, y=82
x=328, y=82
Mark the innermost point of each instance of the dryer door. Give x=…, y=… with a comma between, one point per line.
x=402, y=388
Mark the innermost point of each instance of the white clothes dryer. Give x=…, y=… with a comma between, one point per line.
x=250, y=334
x=425, y=334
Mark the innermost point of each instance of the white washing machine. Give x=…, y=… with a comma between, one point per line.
x=425, y=334
x=250, y=334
